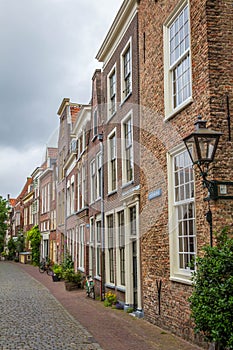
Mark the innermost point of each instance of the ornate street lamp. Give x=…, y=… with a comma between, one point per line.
x=202, y=145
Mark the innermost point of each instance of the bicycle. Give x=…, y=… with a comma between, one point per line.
x=45, y=265
x=90, y=287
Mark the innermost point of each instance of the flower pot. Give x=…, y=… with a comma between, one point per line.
x=71, y=285
x=55, y=278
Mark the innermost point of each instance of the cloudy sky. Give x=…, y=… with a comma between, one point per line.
x=47, y=52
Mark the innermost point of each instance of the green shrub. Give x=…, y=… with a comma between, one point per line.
x=70, y=275
x=211, y=302
x=34, y=237
x=58, y=270
x=68, y=263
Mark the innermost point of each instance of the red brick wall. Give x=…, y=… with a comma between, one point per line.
x=212, y=79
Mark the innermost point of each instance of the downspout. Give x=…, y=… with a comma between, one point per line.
x=100, y=137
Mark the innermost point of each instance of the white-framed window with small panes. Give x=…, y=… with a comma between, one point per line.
x=91, y=246
x=177, y=60
x=98, y=253
x=126, y=71
x=98, y=175
x=112, y=92
x=79, y=190
x=120, y=251
x=127, y=149
x=110, y=251
x=83, y=185
x=95, y=123
x=93, y=180
x=182, y=223
x=112, y=162
x=81, y=247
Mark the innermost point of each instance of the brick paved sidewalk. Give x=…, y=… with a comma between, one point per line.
x=112, y=329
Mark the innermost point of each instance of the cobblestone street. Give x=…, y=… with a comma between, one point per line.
x=31, y=318
x=36, y=314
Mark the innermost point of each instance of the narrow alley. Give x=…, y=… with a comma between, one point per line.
x=37, y=314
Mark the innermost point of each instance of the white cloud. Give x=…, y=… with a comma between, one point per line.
x=16, y=167
x=48, y=50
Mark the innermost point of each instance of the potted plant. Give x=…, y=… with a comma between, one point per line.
x=57, y=272
x=73, y=280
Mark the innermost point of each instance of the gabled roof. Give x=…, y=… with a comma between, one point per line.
x=25, y=189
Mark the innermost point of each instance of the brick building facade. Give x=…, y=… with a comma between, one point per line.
x=120, y=79
x=185, y=70
x=67, y=113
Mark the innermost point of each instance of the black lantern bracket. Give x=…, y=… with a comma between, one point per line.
x=201, y=146
x=220, y=190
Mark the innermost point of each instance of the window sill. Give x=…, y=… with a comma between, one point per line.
x=110, y=116
x=126, y=98
x=127, y=184
x=175, y=111
x=70, y=215
x=121, y=288
x=182, y=279
x=81, y=269
x=81, y=154
x=110, y=285
x=112, y=193
x=81, y=210
x=94, y=138
x=95, y=201
x=98, y=278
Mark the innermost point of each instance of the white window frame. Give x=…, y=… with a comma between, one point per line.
x=110, y=251
x=171, y=66
x=45, y=192
x=176, y=223
x=81, y=257
x=80, y=144
x=98, y=241
x=95, y=123
x=79, y=190
x=91, y=245
x=93, y=179
x=83, y=185
x=112, y=158
x=120, y=247
x=73, y=243
x=112, y=93
x=72, y=199
x=125, y=150
x=98, y=175
x=124, y=94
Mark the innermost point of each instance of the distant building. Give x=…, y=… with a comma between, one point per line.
x=120, y=120
x=47, y=204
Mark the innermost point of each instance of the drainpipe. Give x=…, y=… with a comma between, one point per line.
x=102, y=292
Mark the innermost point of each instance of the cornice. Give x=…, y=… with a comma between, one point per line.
x=118, y=28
